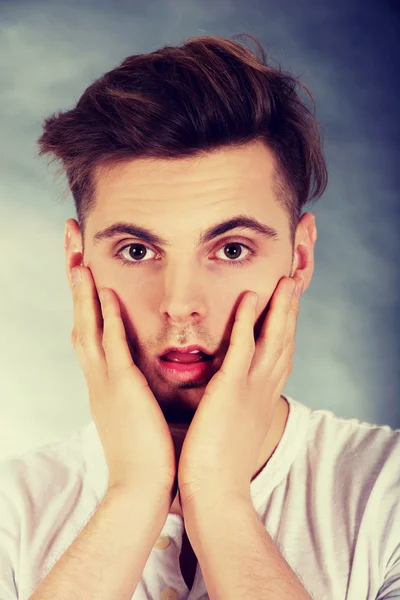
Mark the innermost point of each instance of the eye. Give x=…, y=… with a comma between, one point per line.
x=233, y=260
x=138, y=251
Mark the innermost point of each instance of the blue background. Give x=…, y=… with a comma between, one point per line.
x=347, y=53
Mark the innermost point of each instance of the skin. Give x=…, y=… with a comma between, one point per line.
x=182, y=295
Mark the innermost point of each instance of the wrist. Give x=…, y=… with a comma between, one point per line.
x=150, y=494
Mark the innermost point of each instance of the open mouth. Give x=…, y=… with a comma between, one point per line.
x=186, y=357
x=186, y=367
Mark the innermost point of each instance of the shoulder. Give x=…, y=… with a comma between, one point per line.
x=354, y=438
x=43, y=472
x=363, y=460
x=46, y=497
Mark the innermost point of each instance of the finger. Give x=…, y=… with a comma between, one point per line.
x=87, y=331
x=291, y=324
x=242, y=345
x=272, y=339
x=118, y=356
x=284, y=377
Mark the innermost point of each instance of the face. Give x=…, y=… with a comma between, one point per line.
x=175, y=291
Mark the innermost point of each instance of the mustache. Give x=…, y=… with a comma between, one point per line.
x=134, y=346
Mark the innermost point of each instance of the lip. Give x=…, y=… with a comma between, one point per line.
x=186, y=372
x=186, y=349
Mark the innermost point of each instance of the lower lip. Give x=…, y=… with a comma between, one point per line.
x=185, y=371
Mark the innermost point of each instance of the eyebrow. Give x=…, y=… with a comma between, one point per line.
x=147, y=235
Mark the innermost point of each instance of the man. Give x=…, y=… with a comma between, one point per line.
x=197, y=477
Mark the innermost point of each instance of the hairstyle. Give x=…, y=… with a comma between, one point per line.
x=187, y=101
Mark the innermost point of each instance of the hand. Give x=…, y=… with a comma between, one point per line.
x=224, y=440
x=135, y=436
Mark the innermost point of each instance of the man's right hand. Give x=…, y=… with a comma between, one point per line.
x=134, y=434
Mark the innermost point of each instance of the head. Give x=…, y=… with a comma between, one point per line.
x=171, y=144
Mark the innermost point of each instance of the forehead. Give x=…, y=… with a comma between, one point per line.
x=185, y=197
x=219, y=175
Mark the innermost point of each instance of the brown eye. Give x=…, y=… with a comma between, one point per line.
x=233, y=251
x=136, y=252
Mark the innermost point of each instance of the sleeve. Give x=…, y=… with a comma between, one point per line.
x=9, y=537
x=390, y=589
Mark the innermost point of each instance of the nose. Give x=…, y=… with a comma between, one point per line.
x=184, y=298
x=182, y=309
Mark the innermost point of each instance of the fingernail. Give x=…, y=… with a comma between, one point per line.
x=254, y=299
x=75, y=275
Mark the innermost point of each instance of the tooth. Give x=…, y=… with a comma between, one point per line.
x=193, y=351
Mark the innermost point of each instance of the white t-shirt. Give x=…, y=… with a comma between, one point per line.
x=329, y=496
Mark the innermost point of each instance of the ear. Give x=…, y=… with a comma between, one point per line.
x=72, y=246
x=303, y=252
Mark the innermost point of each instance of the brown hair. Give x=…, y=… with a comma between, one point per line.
x=184, y=101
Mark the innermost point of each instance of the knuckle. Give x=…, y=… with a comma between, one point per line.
x=250, y=347
x=294, y=308
x=106, y=343
x=112, y=340
x=76, y=295
x=80, y=340
x=278, y=351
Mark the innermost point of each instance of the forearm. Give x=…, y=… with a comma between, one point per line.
x=107, y=558
x=237, y=556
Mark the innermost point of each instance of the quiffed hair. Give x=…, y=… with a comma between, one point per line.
x=185, y=101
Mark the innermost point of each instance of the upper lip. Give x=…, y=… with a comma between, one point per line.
x=186, y=349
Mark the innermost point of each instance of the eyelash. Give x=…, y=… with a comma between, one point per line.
x=231, y=263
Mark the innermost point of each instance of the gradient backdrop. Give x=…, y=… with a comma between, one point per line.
x=347, y=53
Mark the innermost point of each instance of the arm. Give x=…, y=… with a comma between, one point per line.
x=107, y=558
x=237, y=556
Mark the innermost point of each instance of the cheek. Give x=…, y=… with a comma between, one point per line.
x=136, y=319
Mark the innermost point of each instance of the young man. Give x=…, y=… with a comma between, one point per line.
x=197, y=477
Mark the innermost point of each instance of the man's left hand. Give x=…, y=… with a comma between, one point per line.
x=224, y=440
